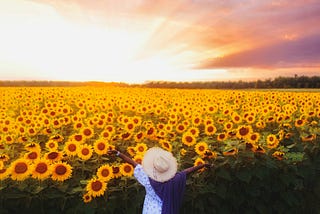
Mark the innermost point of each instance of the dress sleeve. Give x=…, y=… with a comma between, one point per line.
x=140, y=175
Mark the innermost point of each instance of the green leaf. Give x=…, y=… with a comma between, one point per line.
x=223, y=173
x=244, y=175
x=83, y=182
x=38, y=189
x=76, y=190
x=221, y=190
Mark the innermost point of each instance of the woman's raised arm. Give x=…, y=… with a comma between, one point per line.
x=123, y=157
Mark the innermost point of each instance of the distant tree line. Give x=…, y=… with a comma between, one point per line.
x=278, y=82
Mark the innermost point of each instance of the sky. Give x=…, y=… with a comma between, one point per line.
x=135, y=41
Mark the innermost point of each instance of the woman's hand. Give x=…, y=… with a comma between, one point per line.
x=113, y=152
x=207, y=165
x=122, y=156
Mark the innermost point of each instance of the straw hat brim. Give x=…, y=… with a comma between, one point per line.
x=148, y=167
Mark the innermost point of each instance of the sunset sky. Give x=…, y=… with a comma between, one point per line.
x=135, y=41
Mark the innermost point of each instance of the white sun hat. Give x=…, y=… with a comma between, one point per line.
x=159, y=164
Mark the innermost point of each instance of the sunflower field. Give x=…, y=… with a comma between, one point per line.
x=264, y=147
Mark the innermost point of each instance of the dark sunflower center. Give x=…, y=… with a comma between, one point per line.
x=61, y=170
x=96, y=186
x=41, y=168
x=21, y=168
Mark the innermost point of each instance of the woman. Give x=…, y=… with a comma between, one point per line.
x=158, y=174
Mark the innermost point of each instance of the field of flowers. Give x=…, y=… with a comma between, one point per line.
x=54, y=140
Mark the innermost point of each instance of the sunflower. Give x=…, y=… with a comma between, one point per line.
x=212, y=109
x=198, y=162
x=21, y=130
x=221, y=120
x=96, y=187
x=130, y=126
x=250, y=146
x=230, y=152
x=106, y=135
x=77, y=138
x=259, y=149
x=78, y=125
x=110, y=128
x=138, y=158
x=299, y=122
x=260, y=124
x=166, y=145
x=280, y=118
x=116, y=171
x=126, y=169
x=9, y=139
x=136, y=120
x=52, y=145
x=183, y=152
x=188, y=139
x=309, y=138
x=271, y=119
x=228, y=126
x=131, y=150
x=281, y=134
x=5, y=129
x=236, y=118
x=41, y=169
x=82, y=113
x=86, y=198
x=151, y=132
x=250, y=119
x=4, y=173
x=85, y=152
x=70, y=148
x=53, y=156
x=105, y=173
x=20, y=169
x=194, y=130
x=253, y=137
x=210, y=129
x=33, y=147
x=222, y=136
x=278, y=155
x=56, y=124
x=161, y=134
x=200, y=148
x=1, y=164
x=100, y=147
x=32, y=156
x=138, y=137
x=126, y=136
x=272, y=141
x=226, y=111
x=4, y=157
x=22, y=139
x=168, y=127
x=87, y=132
x=209, y=154
x=58, y=138
x=196, y=121
x=141, y=148
x=61, y=171
x=160, y=126
x=180, y=128
x=244, y=131
x=47, y=131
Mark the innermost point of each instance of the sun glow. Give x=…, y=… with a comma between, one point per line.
x=39, y=43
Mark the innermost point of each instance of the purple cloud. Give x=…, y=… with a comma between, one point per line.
x=296, y=53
